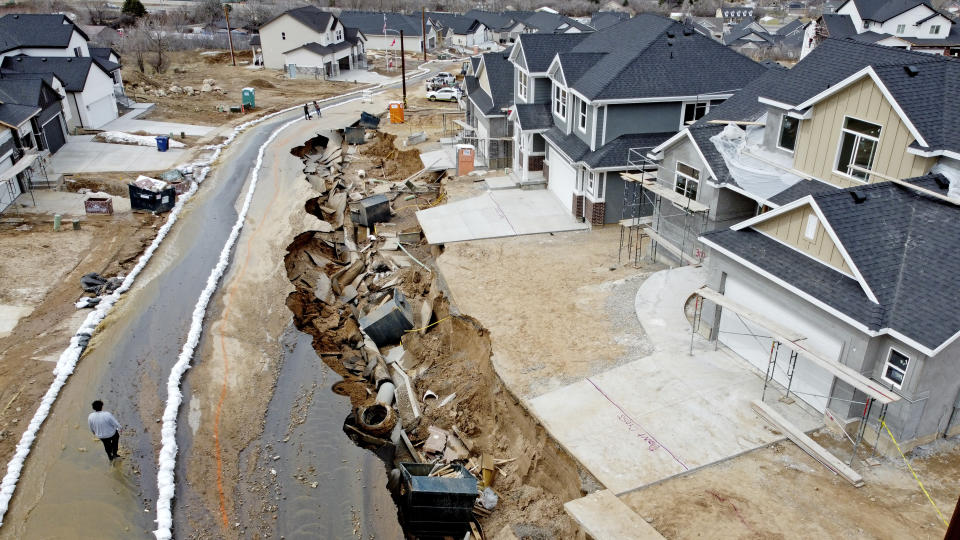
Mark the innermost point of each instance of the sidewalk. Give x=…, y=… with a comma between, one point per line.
x=130, y=123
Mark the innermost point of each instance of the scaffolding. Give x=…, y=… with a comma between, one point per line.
x=684, y=217
x=27, y=174
x=875, y=394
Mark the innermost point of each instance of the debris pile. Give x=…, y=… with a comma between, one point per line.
x=419, y=378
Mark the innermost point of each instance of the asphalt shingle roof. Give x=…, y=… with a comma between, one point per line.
x=570, y=144
x=500, y=76
x=801, y=189
x=652, y=56
x=838, y=26
x=493, y=21
x=534, y=115
x=323, y=50
x=539, y=49
x=13, y=115
x=605, y=19
x=72, y=71
x=904, y=244
x=616, y=152
x=311, y=16
x=371, y=23
x=883, y=10
x=35, y=30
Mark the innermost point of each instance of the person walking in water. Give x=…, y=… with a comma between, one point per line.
x=306, y=111
x=316, y=107
x=106, y=428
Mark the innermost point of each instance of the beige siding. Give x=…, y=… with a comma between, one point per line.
x=284, y=34
x=818, y=140
x=789, y=228
x=483, y=80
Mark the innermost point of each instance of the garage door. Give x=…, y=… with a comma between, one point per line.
x=562, y=179
x=53, y=134
x=752, y=342
x=102, y=111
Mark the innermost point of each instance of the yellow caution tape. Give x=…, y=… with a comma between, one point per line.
x=914, y=473
x=429, y=325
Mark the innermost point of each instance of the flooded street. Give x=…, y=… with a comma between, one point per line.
x=325, y=486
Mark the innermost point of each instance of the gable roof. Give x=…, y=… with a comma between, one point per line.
x=494, y=21
x=538, y=50
x=790, y=27
x=533, y=116
x=605, y=19
x=72, y=71
x=310, y=16
x=36, y=30
x=500, y=76
x=544, y=21
x=322, y=50
x=884, y=10
x=838, y=26
x=684, y=62
x=458, y=24
x=902, y=241
x=371, y=22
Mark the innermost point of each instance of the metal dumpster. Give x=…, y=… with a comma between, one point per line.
x=435, y=505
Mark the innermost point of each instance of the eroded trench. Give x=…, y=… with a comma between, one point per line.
x=345, y=271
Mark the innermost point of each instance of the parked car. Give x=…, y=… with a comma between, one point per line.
x=445, y=78
x=444, y=94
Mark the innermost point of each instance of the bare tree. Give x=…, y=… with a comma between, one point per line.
x=151, y=45
x=178, y=19
x=99, y=14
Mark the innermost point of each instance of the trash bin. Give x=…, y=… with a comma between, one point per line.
x=247, y=98
x=163, y=143
x=437, y=506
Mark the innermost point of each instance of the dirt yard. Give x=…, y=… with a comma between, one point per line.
x=190, y=68
x=42, y=271
x=781, y=492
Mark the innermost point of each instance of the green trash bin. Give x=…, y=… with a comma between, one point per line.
x=247, y=98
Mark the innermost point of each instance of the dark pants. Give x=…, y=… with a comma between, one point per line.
x=110, y=445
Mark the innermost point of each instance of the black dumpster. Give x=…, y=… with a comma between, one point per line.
x=374, y=209
x=152, y=195
x=432, y=505
x=355, y=135
x=369, y=121
x=387, y=324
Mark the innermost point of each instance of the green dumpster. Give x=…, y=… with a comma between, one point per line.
x=247, y=98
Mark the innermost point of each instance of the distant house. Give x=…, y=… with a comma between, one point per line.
x=797, y=9
x=752, y=38
x=586, y=102
x=489, y=93
x=735, y=14
x=313, y=41
x=382, y=30
x=910, y=24
x=103, y=36
x=605, y=19
x=41, y=35
x=455, y=30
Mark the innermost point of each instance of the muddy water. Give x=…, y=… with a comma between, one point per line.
x=304, y=477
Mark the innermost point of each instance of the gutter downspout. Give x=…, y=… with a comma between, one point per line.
x=77, y=107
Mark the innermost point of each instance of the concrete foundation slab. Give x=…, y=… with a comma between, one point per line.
x=605, y=517
x=495, y=214
x=501, y=182
x=81, y=154
x=669, y=412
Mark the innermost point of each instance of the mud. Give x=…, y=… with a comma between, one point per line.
x=391, y=163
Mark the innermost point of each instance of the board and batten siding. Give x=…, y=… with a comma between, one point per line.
x=789, y=228
x=818, y=140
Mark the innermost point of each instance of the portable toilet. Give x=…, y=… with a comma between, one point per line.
x=247, y=98
x=465, y=157
x=396, y=112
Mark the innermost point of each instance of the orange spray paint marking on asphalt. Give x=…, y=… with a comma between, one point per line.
x=226, y=363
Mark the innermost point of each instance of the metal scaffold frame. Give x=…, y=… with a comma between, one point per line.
x=645, y=191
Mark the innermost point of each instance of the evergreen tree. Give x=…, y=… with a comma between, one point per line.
x=133, y=8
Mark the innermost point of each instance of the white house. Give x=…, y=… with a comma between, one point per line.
x=311, y=39
x=382, y=30
x=89, y=86
x=41, y=35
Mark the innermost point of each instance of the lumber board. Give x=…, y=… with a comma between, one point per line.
x=670, y=247
x=709, y=294
x=807, y=444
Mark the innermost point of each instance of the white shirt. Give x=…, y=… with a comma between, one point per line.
x=103, y=424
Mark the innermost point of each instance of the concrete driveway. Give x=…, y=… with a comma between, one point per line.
x=669, y=412
x=82, y=154
x=130, y=123
x=495, y=214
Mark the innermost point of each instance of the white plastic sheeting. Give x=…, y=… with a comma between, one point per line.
x=119, y=137
x=951, y=170
x=756, y=170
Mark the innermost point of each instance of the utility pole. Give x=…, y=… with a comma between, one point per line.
x=953, y=530
x=226, y=16
x=423, y=30
x=403, y=71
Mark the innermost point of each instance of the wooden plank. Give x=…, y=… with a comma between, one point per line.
x=721, y=300
x=838, y=370
x=807, y=444
x=667, y=193
x=605, y=517
x=670, y=247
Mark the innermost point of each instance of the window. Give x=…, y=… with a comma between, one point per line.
x=339, y=35
x=283, y=35
x=688, y=180
x=788, y=132
x=694, y=111
x=935, y=29
x=522, y=84
x=582, y=115
x=858, y=144
x=560, y=101
x=77, y=51
x=810, y=231
x=901, y=28
x=866, y=24
x=595, y=185
x=896, y=367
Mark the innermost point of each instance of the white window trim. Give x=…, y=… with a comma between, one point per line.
x=780, y=135
x=688, y=179
x=843, y=130
x=683, y=111
x=594, y=185
x=582, y=115
x=522, y=84
x=810, y=228
x=901, y=28
x=935, y=29
x=883, y=374
x=559, y=101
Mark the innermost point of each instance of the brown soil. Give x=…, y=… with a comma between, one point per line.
x=392, y=163
x=188, y=68
x=114, y=183
x=42, y=269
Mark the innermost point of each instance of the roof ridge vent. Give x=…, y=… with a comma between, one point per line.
x=858, y=197
x=912, y=70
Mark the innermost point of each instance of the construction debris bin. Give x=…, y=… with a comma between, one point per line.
x=247, y=98
x=163, y=143
x=374, y=209
x=435, y=505
x=387, y=324
x=355, y=135
x=151, y=195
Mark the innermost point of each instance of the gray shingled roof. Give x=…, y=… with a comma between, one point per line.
x=459, y=24
x=310, y=16
x=802, y=189
x=36, y=30
x=570, y=145
x=838, y=26
x=323, y=50
x=14, y=115
x=500, y=76
x=539, y=49
x=534, y=115
x=652, y=56
x=72, y=71
x=903, y=243
x=615, y=153
x=605, y=19
x=371, y=22
x=544, y=21
x=493, y=21
x=884, y=10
